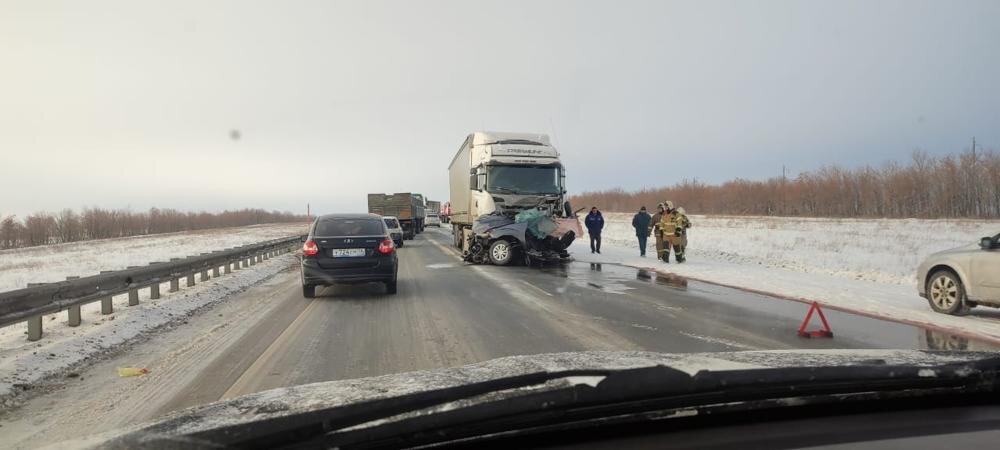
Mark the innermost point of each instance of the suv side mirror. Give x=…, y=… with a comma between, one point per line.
x=987, y=243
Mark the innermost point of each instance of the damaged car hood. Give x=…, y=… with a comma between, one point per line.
x=303, y=398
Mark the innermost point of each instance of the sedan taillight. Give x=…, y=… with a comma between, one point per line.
x=386, y=247
x=310, y=248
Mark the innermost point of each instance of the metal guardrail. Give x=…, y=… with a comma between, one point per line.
x=31, y=303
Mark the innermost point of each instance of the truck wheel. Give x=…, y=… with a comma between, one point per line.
x=946, y=294
x=501, y=252
x=308, y=291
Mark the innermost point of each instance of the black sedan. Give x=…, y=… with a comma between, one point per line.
x=348, y=249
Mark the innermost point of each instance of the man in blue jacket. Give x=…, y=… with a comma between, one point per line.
x=641, y=224
x=595, y=223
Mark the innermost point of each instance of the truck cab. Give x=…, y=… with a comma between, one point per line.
x=504, y=173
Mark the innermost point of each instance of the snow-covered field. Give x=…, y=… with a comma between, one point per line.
x=23, y=363
x=861, y=265
x=51, y=263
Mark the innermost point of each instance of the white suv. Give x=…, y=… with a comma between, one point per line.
x=955, y=280
x=432, y=220
x=395, y=231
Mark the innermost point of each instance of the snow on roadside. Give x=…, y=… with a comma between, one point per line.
x=882, y=250
x=52, y=263
x=24, y=363
x=858, y=265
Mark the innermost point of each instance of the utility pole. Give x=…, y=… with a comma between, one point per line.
x=783, y=180
x=308, y=212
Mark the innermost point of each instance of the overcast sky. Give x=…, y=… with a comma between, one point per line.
x=131, y=103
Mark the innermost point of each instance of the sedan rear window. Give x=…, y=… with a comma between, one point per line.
x=391, y=223
x=349, y=227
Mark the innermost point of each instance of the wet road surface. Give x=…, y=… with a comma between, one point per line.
x=449, y=313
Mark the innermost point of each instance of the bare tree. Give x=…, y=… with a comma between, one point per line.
x=966, y=185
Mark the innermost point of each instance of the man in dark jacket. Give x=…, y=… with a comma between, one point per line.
x=641, y=224
x=595, y=223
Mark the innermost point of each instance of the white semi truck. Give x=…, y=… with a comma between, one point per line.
x=508, y=199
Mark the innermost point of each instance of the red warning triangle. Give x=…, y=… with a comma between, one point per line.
x=825, y=332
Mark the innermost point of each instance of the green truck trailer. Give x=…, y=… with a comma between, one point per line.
x=405, y=206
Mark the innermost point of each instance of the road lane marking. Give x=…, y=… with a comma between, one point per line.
x=447, y=250
x=258, y=364
x=536, y=287
x=720, y=341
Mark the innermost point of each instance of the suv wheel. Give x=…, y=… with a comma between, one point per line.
x=946, y=294
x=308, y=291
x=390, y=287
x=501, y=252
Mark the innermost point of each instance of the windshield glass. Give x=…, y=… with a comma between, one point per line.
x=523, y=179
x=293, y=205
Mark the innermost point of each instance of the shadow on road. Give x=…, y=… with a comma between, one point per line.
x=352, y=291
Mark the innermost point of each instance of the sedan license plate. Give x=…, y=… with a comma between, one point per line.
x=347, y=252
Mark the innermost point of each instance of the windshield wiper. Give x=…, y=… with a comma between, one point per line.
x=504, y=189
x=631, y=389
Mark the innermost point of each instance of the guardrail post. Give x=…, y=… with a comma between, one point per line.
x=228, y=268
x=267, y=255
x=107, y=306
x=73, y=311
x=204, y=275
x=215, y=272
x=252, y=260
x=133, y=292
x=154, y=291
x=35, y=323
x=175, y=285
x=35, y=328
x=190, y=279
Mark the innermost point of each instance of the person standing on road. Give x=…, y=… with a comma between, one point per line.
x=655, y=229
x=641, y=222
x=595, y=223
x=674, y=224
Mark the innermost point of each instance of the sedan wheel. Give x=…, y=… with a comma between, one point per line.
x=946, y=294
x=501, y=252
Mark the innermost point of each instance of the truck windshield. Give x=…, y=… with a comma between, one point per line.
x=523, y=180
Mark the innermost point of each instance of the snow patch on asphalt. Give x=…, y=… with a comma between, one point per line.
x=23, y=364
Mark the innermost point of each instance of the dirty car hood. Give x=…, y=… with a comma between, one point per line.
x=308, y=397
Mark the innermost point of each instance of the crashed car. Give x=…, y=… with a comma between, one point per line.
x=530, y=236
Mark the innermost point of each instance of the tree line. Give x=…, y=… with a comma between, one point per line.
x=97, y=223
x=965, y=185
